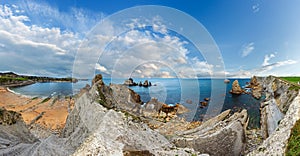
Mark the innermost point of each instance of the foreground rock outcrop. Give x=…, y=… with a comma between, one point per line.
x=222, y=135
x=112, y=120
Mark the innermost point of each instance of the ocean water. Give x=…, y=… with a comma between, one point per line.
x=188, y=92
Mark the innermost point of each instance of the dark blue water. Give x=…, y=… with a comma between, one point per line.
x=188, y=92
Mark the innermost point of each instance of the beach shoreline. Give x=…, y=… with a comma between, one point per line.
x=53, y=111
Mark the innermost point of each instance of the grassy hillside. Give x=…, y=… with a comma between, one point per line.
x=294, y=141
x=292, y=80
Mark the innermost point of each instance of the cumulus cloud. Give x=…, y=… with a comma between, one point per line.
x=29, y=45
x=247, y=49
x=100, y=68
x=267, y=67
x=32, y=47
x=267, y=58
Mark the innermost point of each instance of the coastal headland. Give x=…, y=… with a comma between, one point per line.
x=10, y=79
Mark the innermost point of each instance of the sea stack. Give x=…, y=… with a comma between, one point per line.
x=236, y=89
x=256, y=87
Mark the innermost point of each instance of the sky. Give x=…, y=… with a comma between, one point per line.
x=77, y=37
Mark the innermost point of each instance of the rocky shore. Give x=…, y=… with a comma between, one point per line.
x=279, y=113
x=112, y=120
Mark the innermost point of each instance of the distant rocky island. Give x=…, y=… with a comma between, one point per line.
x=10, y=79
x=130, y=82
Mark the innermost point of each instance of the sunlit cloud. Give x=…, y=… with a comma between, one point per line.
x=247, y=49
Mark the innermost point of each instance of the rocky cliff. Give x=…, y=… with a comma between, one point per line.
x=279, y=112
x=111, y=120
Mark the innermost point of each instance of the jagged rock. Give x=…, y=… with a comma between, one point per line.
x=97, y=78
x=275, y=143
x=277, y=101
x=256, y=87
x=236, y=89
x=221, y=135
x=146, y=84
x=153, y=107
x=204, y=103
x=97, y=130
x=253, y=81
x=130, y=82
x=206, y=99
x=8, y=117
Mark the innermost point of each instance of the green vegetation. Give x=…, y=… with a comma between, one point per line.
x=12, y=78
x=45, y=100
x=9, y=79
x=294, y=87
x=34, y=98
x=294, y=141
x=291, y=79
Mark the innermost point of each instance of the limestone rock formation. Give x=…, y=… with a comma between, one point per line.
x=97, y=78
x=236, y=89
x=8, y=117
x=222, y=135
x=110, y=120
x=256, y=87
x=279, y=112
x=130, y=82
x=276, y=142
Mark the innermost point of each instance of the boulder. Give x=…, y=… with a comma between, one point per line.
x=204, y=103
x=236, y=89
x=206, y=99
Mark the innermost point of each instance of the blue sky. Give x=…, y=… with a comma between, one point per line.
x=254, y=37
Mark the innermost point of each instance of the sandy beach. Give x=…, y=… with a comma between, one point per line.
x=50, y=114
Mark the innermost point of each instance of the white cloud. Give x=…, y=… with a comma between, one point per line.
x=32, y=49
x=100, y=68
x=267, y=58
x=267, y=68
x=247, y=49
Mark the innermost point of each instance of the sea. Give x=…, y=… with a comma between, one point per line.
x=188, y=92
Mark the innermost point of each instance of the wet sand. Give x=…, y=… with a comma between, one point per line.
x=55, y=110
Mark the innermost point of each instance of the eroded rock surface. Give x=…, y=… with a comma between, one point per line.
x=279, y=112
x=222, y=135
x=236, y=89
x=110, y=120
x=256, y=87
